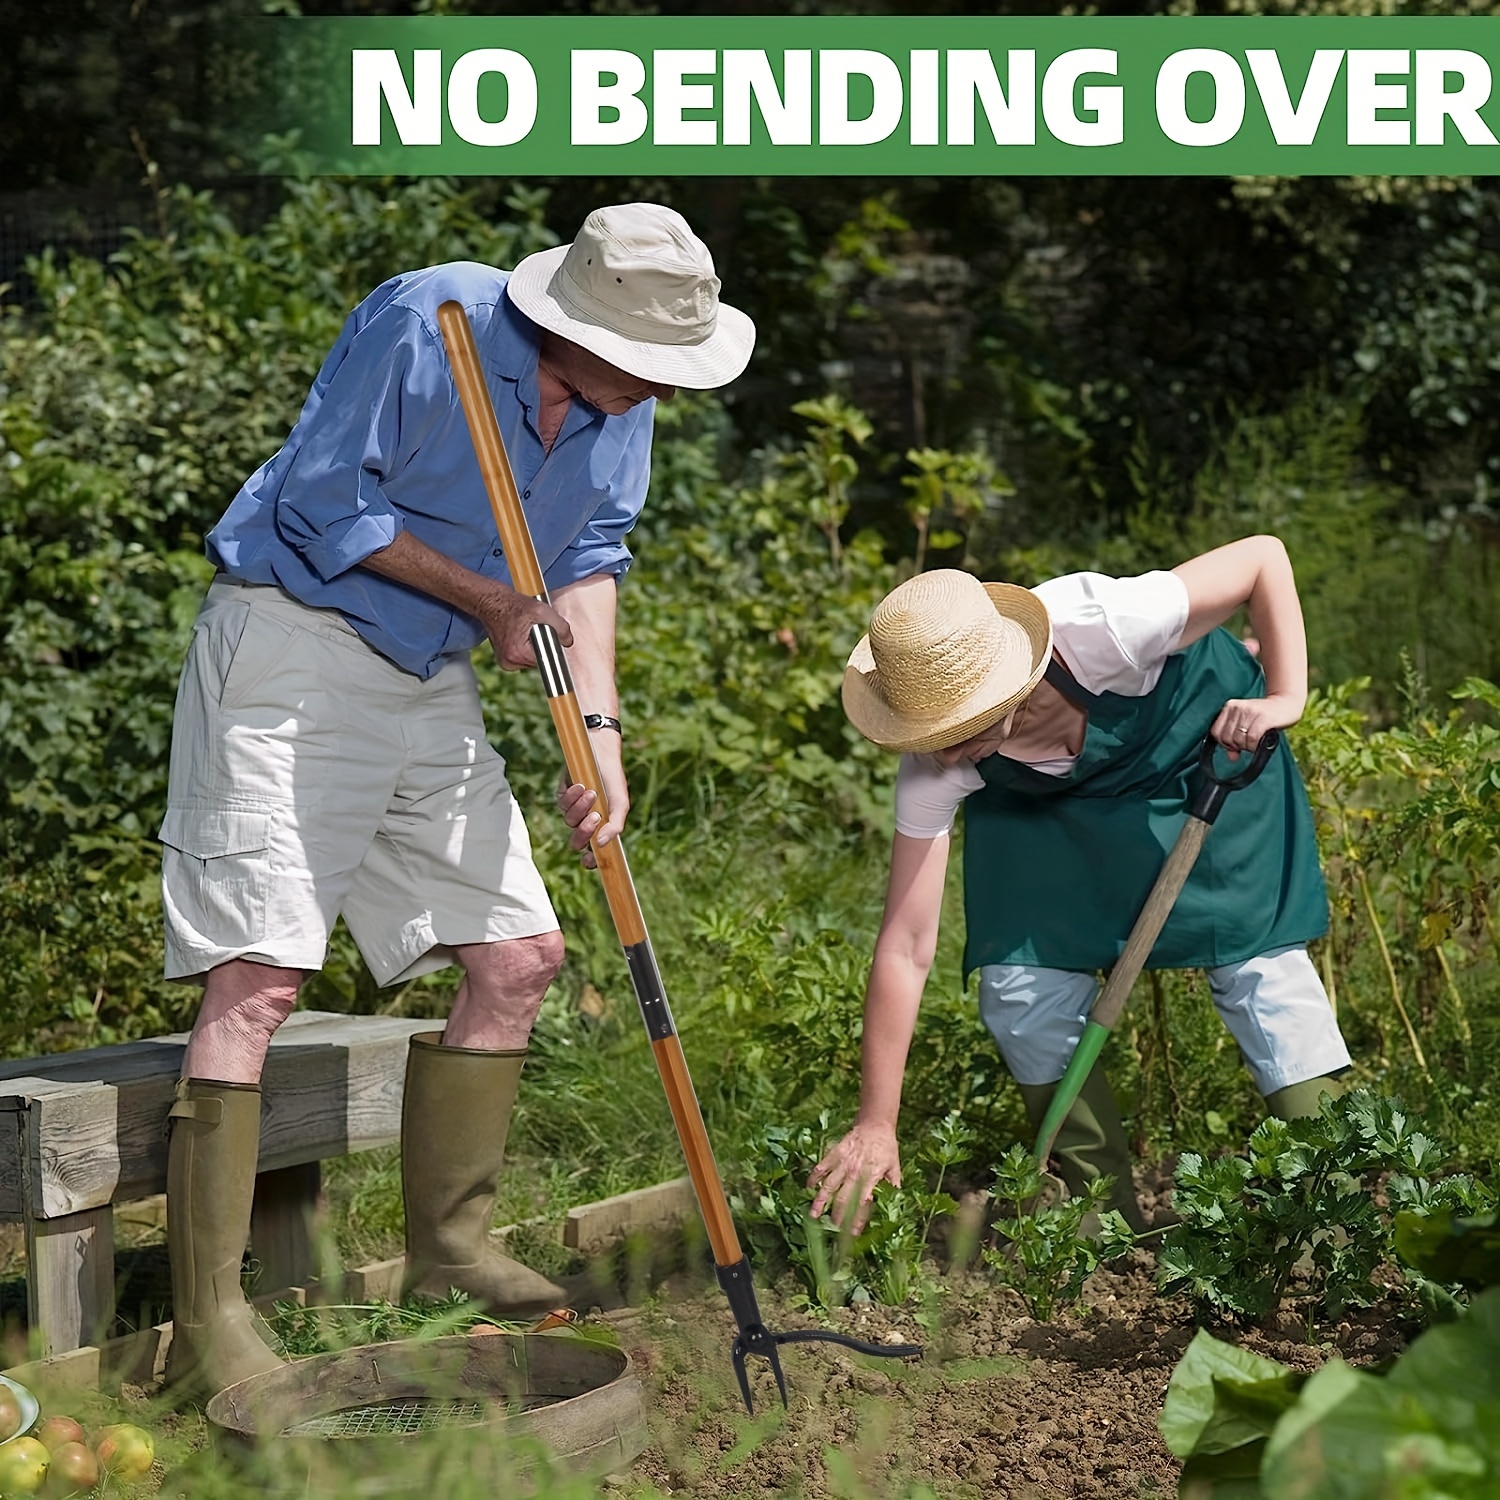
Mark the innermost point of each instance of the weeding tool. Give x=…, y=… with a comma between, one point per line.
x=731, y=1265
x=1213, y=789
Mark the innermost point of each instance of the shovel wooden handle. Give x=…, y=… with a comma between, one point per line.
x=1110, y=1003
x=583, y=769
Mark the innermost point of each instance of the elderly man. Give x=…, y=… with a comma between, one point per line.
x=329, y=755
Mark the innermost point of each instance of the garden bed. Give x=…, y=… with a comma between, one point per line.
x=999, y=1407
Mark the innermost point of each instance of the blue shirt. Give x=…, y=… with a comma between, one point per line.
x=382, y=446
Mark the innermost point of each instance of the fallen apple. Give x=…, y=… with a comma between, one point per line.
x=10, y=1413
x=23, y=1466
x=53, y=1432
x=74, y=1469
x=124, y=1451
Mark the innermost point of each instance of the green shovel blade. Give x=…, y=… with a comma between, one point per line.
x=1090, y=1045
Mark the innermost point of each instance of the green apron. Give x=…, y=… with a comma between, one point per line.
x=1056, y=868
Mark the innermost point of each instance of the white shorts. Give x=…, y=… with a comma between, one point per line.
x=311, y=778
x=1274, y=1005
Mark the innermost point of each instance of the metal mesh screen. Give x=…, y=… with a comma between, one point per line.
x=399, y=1418
x=391, y=1418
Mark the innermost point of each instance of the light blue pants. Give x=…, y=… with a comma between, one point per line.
x=1274, y=1005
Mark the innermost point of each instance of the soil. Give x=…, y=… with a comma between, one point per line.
x=998, y=1407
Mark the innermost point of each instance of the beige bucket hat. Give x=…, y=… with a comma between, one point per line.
x=637, y=287
x=946, y=657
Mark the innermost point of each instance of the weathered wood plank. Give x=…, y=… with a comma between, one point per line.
x=72, y=1370
x=281, y=1226
x=378, y=1282
x=140, y=1357
x=12, y=1149
x=127, y=1060
x=146, y=1072
x=333, y=1085
x=597, y=1226
x=70, y=1278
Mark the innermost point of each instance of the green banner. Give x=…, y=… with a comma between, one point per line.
x=932, y=95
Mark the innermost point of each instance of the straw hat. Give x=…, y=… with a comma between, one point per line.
x=637, y=287
x=946, y=657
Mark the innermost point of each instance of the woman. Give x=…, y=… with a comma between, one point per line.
x=1067, y=720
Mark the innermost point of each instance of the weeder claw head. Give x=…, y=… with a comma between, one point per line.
x=737, y=1355
x=860, y=1346
x=756, y=1341
x=780, y=1378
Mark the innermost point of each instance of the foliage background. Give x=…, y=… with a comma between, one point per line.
x=1016, y=376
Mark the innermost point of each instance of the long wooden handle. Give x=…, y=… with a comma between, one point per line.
x=1207, y=803
x=578, y=755
x=1127, y=968
x=1148, y=925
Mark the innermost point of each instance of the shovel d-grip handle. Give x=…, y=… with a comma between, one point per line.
x=1214, y=789
x=1208, y=802
x=731, y=1265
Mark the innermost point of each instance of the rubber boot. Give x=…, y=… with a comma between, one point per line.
x=454, y=1119
x=1297, y=1100
x=211, y=1159
x=1091, y=1142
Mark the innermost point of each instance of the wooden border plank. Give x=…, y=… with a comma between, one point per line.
x=70, y=1278
x=599, y=1226
x=282, y=1217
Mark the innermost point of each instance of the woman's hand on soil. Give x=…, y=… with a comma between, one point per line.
x=1243, y=722
x=847, y=1177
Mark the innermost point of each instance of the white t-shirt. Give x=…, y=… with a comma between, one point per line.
x=1115, y=634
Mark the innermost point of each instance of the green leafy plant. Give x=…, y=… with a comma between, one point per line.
x=952, y=486
x=1249, y=1428
x=894, y=1243
x=1298, y=1217
x=1221, y=1405
x=883, y=1263
x=831, y=468
x=771, y=1203
x=1452, y=1253
x=1427, y=1430
x=1046, y=1256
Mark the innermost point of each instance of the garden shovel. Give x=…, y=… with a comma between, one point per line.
x=731, y=1265
x=1213, y=789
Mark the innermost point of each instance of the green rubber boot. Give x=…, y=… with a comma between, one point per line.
x=211, y=1160
x=1091, y=1142
x=1298, y=1100
x=454, y=1119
